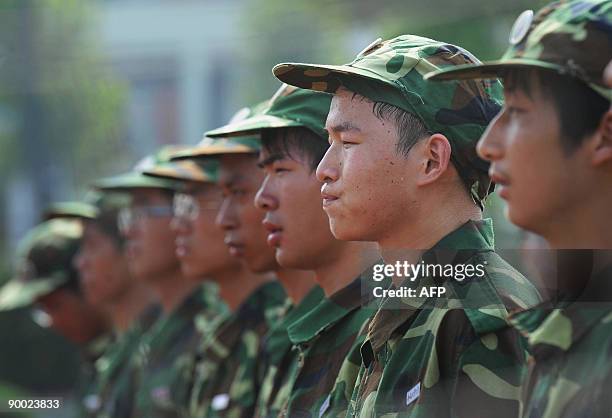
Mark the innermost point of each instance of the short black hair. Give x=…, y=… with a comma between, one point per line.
x=579, y=107
x=287, y=142
x=410, y=128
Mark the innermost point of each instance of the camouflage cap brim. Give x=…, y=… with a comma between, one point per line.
x=134, y=180
x=210, y=147
x=251, y=126
x=495, y=69
x=79, y=210
x=19, y=293
x=183, y=170
x=324, y=78
x=487, y=70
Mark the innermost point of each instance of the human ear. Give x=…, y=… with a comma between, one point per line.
x=436, y=152
x=602, y=145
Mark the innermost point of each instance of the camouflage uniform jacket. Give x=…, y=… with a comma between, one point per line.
x=448, y=357
x=161, y=353
x=86, y=388
x=324, y=338
x=280, y=360
x=113, y=374
x=226, y=377
x=571, y=369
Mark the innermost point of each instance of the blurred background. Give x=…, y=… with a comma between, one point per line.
x=87, y=87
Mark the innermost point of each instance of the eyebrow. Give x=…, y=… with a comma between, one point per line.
x=343, y=127
x=270, y=160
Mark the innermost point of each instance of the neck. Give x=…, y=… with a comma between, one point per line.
x=353, y=258
x=236, y=285
x=172, y=289
x=434, y=220
x=587, y=227
x=297, y=283
x=128, y=307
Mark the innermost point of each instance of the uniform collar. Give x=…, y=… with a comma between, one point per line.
x=277, y=341
x=328, y=312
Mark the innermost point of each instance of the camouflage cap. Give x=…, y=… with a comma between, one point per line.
x=44, y=262
x=392, y=72
x=569, y=37
x=207, y=147
x=289, y=107
x=135, y=179
x=199, y=171
x=75, y=209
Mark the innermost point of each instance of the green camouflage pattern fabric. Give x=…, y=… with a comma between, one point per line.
x=289, y=107
x=43, y=263
x=136, y=178
x=325, y=337
x=112, y=396
x=199, y=171
x=227, y=378
x=392, y=72
x=86, y=384
x=429, y=357
x=568, y=37
x=571, y=344
x=279, y=359
x=170, y=343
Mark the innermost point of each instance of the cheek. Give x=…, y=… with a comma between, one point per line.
x=250, y=219
x=370, y=182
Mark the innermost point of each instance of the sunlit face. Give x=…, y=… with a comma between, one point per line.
x=367, y=183
x=539, y=180
x=245, y=236
x=102, y=266
x=297, y=226
x=150, y=240
x=199, y=242
x=71, y=316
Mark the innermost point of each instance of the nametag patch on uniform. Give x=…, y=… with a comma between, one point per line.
x=220, y=402
x=325, y=406
x=92, y=403
x=161, y=396
x=413, y=394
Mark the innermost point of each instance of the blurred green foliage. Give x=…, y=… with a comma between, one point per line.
x=59, y=123
x=334, y=31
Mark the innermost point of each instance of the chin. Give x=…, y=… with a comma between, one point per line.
x=290, y=261
x=343, y=232
x=522, y=220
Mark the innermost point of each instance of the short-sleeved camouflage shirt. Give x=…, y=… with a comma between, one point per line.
x=280, y=359
x=571, y=344
x=325, y=337
x=227, y=378
x=448, y=357
x=162, y=351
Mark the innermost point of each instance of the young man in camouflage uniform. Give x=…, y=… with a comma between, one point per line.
x=203, y=256
x=229, y=374
x=152, y=260
x=551, y=152
x=402, y=171
x=298, y=381
x=46, y=278
x=107, y=284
